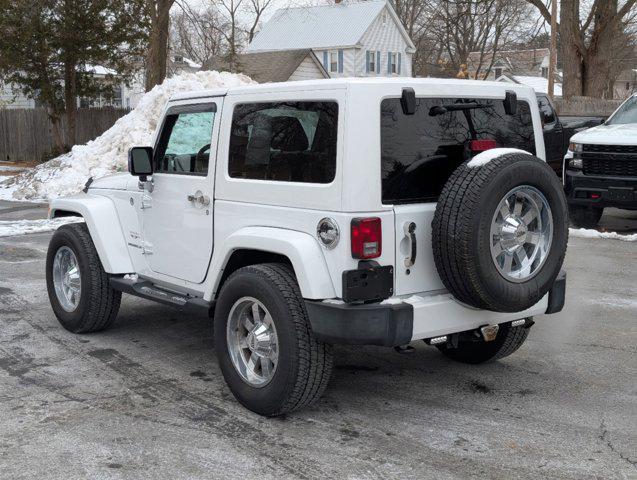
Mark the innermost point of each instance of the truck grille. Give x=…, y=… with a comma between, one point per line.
x=611, y=160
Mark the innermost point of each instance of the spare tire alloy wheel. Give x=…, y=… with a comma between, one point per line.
x=500, y=232
x=521, y=233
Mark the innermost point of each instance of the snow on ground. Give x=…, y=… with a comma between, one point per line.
x=8, y=170
x=9, y=228
x=588, y=233
x=67, y=174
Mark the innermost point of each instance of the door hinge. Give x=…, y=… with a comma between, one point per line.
x=147, y=202
x=147, y=248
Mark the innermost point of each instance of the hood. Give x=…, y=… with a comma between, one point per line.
x=117, y=181
x=622, y=134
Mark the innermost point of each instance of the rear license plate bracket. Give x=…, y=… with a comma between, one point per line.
x=368, y=284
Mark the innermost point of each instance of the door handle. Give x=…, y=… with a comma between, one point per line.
x=198, y=198
x=410, y=228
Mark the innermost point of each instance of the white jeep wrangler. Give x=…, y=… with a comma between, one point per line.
x=305, y=214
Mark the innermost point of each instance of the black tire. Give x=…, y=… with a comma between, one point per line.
x=461, y=232
x=585, y=217
x=304, y=364
x=99, y=303
x=508, y=340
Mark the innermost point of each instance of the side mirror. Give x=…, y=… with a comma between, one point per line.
x=510, y=103
x=140, y=162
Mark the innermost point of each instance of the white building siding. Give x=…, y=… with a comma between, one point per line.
x=349, y=62
x=307, y=70
x=384, y=35
x=13, y=98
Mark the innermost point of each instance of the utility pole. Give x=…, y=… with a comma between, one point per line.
x=553, y=49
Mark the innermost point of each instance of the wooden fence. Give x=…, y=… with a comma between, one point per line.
x=586, y=106
x=25, y=134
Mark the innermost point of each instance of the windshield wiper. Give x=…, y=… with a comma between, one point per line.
x=454, y=107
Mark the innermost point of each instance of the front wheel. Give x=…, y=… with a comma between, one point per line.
x=78, y=287
x=267, y=352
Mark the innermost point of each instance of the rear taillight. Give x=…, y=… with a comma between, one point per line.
x=367, y=238
x=477, y=146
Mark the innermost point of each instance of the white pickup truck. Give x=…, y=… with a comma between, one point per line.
x=600, y=167
x=305, y=214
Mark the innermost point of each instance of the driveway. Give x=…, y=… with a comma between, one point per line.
x=146, y=398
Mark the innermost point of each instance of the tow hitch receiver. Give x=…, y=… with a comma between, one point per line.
x=489, y=332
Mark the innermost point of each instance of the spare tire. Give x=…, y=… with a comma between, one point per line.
x=500, y=231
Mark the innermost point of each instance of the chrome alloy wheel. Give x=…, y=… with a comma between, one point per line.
x=252, y=341
x=66, y=279
x=521, y=233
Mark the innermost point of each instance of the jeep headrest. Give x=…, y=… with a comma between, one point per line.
x=288, y=135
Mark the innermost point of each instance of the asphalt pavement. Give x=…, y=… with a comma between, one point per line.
x=146, y=398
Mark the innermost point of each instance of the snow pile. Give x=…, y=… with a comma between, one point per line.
x=588, y=233
x=9, y=228
x=67, y=174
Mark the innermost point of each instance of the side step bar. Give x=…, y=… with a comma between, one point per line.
x=145, y=289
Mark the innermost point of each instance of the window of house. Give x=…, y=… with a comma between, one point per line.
x=498, y=72
x=393, y=59
x=372, y=60
x=184, y=143
x=545, y=72
x=627, y=85
x=333, y=61
x=284, y=141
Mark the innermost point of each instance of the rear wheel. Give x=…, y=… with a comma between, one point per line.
x=78, y=286
x=507, y=341
x=267, y=352
x=585, y=217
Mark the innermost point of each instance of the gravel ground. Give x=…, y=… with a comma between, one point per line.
x=146, y=399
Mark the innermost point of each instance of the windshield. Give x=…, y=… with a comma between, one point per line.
x=627, y=113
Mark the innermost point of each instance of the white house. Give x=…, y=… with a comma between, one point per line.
x=350, y=38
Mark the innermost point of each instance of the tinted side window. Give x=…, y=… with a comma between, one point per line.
x=184, y=143
x=420, y=152
x=284, y=141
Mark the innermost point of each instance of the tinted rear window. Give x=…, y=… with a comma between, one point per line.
x=419, y=152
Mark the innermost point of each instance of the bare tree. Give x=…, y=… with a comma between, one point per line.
x=195, y=33
x=594, y=44
x=256, y=9
x=157, y=53
x=484, y=26
x=445, y=32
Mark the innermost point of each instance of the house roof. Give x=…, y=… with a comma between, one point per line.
x=539, y=84
x=266, y=67
x=523, y=62
x=326, y=26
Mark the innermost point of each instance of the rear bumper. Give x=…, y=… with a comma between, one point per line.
x=401, y=320
x=619, y=192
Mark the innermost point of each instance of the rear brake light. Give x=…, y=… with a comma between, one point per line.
x=366, y=238
x=477, y=146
